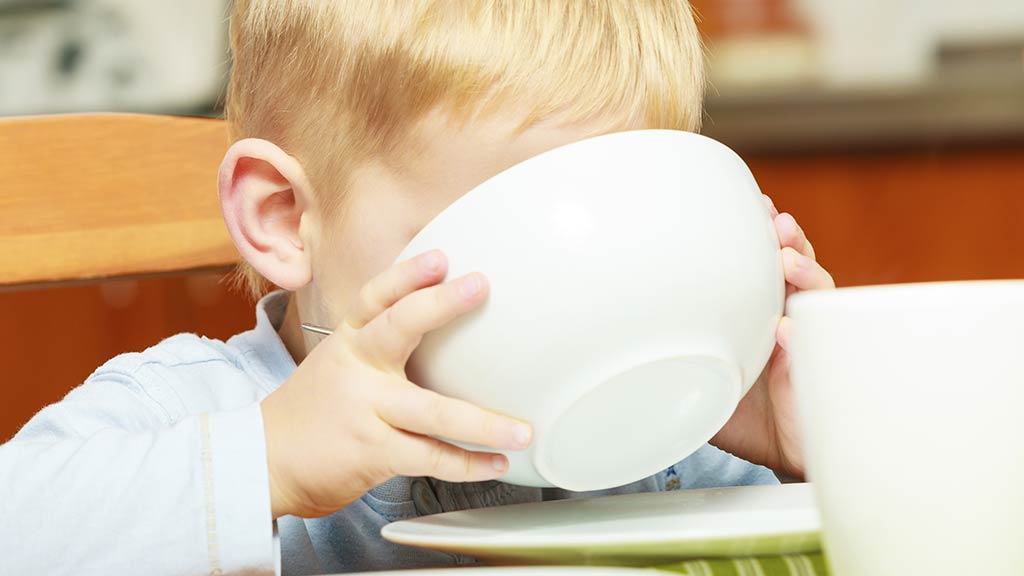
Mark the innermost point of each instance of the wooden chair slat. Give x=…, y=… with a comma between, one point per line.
x=103, y=195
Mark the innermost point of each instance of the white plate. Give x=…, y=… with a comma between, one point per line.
x=635, y=529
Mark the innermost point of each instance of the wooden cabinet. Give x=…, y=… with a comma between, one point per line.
x=889, y=217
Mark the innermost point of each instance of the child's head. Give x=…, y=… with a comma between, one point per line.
x=360, y=120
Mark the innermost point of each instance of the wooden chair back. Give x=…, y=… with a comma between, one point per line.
x=93, y=196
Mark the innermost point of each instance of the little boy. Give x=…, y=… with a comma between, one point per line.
x=356, y=122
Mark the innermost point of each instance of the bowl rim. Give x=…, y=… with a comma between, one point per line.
x=472, y=193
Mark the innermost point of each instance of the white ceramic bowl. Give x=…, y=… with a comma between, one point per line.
x=636, y=284
x=910, y=399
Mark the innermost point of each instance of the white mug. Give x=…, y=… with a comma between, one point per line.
x=912, y=404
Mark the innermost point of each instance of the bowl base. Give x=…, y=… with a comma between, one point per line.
x=639, y=423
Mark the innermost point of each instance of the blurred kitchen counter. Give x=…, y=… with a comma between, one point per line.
x=976, y=94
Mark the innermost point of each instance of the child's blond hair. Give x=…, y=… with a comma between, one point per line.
x=334, y=82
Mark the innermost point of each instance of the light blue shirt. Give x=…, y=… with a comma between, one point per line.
x=157, y=465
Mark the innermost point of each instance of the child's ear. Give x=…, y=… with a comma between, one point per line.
x=264, y=194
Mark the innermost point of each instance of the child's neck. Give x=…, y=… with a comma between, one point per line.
x=290, y=331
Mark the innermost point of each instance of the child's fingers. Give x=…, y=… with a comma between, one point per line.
x=395, y=283
x=792, y=235
x=415, y=455
x=414, y=409
x=803, y=272
x=771, y=206
x=783, y=331
x=391, y=337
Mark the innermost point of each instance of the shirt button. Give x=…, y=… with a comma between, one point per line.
x=424, y=499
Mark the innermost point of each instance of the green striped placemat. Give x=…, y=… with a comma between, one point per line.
x=796, y=565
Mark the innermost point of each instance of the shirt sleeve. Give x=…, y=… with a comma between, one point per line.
x=108, y=482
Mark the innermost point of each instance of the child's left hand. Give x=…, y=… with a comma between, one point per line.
x=764, y=429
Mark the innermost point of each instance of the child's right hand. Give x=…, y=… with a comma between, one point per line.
x=348, y=419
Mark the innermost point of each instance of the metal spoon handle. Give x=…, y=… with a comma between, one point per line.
x=317, y=330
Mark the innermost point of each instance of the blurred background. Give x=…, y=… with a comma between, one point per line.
x=892, y=129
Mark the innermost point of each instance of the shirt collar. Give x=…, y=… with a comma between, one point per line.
x=273, y=359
